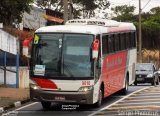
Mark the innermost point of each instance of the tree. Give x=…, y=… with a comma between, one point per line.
x=49, y=3
x=123, y=13
x=150, y=29
x=150, y=24
x=12, y=10
x=155, y=10
x=81, y=8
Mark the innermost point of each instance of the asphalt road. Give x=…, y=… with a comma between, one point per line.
x=35, y=108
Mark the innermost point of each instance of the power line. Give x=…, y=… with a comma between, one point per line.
x=146, y=4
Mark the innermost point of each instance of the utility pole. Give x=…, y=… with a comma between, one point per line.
x=140, y=34
x=70, y=9
x=49, y=4
x=17, y=64
x=65, y=13
x=159, y=57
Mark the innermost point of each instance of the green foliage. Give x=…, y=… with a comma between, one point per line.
x=150, y=24
x=47, y=3
x=11, y=10
x=83, y=8
x=151, y=32
x=86, y=8
x=155, y=10
x=123, y=13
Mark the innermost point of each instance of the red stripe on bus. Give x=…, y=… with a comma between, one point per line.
x=117, y=29
x=45, y=83
x=113, y=72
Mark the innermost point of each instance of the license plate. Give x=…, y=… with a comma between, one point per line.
x=140, y=75
x=59, y=98
x=140, y=79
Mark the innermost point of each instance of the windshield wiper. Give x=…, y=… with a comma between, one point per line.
x=142, y=70
x=68, y=70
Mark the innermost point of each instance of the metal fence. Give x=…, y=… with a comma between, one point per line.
x=9, y=59
x=151, y=56
x=9, y=69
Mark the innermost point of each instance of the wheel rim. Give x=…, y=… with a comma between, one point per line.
x=126, y=85
x=100, y=97
x=155, y=82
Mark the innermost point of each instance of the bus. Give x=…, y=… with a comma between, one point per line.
x=82, y=62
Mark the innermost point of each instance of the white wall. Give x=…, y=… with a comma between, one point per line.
x=11, y=77
x=8, y=42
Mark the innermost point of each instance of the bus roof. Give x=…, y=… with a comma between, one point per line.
x=89, y=26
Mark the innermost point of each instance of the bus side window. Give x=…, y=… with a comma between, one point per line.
x=104, y=44
x=110, y=43
x=116, y=42
x=133, y=39
x=127, y=40
x=122, y=41
x=119, y=39
x=130, y=39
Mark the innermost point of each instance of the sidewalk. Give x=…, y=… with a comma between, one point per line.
x=8, y=96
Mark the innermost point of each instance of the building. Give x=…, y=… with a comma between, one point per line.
x=38, y=18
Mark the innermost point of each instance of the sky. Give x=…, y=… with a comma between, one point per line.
x=146, y=5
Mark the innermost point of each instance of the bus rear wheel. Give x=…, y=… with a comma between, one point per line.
x=125, y=89
x=46, y=105
x=155, y=81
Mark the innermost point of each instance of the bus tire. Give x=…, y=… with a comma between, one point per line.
x=135, y=83
x=46, y=105
x=158, y=81
x=100, y=98
x=155, y=81
x=124, y=91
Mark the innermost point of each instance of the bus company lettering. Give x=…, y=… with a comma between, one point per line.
x=114, y=62
x=114, y=71
x=114, y=79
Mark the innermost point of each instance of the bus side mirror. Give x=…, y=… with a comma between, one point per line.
x=95, y=49
x=26, y=48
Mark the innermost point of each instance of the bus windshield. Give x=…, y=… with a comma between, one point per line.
x=62, y=55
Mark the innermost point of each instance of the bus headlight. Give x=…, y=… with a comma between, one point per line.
x=33, y=85
x=150, y=75
x=85, y=88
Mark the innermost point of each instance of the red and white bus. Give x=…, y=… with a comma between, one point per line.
x=82, y=62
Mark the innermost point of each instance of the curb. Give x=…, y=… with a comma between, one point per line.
x=13, y=105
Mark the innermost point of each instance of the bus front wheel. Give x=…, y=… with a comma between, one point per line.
x=100, y=98
x=46, y=105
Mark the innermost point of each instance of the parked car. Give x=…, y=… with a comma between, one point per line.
x=158, y=71
x=146, y=73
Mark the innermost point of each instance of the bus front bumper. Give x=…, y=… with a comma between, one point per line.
x=62, y=97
